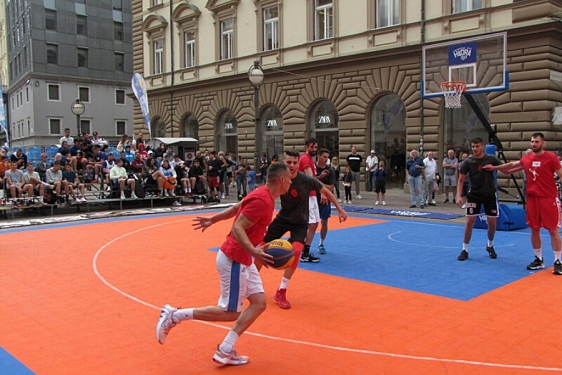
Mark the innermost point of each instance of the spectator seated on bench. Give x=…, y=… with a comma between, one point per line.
x=119, y=177
x=15, y=183
x=73, y=184
x=168, y=178
x=54, y=177
x=107, y=166
x=96, y=161
x=42, y=166
x=151, y=185
x=37, y=185
x=4, y=166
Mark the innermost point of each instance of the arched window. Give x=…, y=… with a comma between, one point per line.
x=158, y=128
x=388, y=136
x=460, y=126
x=227, y=133
x=272, y=132
x=190, y=127
x=324, y=126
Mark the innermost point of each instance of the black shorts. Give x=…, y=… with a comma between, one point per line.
x=279, y=227
x=474, y=203
x=380, y=187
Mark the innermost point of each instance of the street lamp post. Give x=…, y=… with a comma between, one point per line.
x=255, y=75
x=78, y=109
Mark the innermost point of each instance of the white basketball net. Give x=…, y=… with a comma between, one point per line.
x=452, y=92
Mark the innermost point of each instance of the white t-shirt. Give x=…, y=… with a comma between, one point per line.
x=430, y=168
x=372, y=162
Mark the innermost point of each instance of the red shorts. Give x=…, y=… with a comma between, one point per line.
x=214, y=182
x=543, y=213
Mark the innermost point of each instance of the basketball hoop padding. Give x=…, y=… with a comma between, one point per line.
x=452, y=92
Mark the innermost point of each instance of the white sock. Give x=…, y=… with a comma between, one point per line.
x=284, y=283
x=538, y=253
x=229, y=342
x=321, y=241
x=189, y=190
x=557, y=255
x=490, y=243
x=465, y=246
x=184, y=314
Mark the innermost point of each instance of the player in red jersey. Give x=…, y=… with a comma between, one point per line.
x=542, y=198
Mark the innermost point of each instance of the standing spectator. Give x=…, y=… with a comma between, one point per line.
x=325, y=173
x=380, y=182
x=66, y=137
x=119, y=178
x=347, y=179
x=252, y=216
x=372, y=163
x=336, y=165
x=19, y=159
x=42, y=167
x=241, y=180
x=542, y=198
x=354, y=161
x=264, y=164
x=482, y=193
x=414, y=170
x=73, y=184
x=251, y=178
x=430, y=177
x=450, y=167
x=214, y=169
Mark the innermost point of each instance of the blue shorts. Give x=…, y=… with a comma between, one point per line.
x=325, y=211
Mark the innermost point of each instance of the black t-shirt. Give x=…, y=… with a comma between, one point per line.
x=354, y=162
x=294, y=203
x=329, y=179
x=195, y=172
x=216, y=164
x=14, y=159
x=482, y=182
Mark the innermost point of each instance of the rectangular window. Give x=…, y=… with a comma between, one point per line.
x=120, y=62
x=460, y=6
x=388, y=13
x=81, y=25
x=117, y=4
x=156, y=2
x=119, y=96
x=85, y=126
x=118, y=31
x=54, y=92
x=270, y=28
x=54, y=126
x=27, y=94
x=189, y=49
x=120, y=127
x=324, y=20
x=82, y=57
x=84, y=94
x=52, y=54
x=227, y=38
x=51, y=19
x=158, y=52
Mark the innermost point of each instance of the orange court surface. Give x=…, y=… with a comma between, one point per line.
x=84, y=298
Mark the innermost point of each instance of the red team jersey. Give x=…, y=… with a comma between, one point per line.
x=307, y=161
x=540, y=174
x=258, y=208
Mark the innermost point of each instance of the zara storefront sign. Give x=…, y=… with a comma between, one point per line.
x=556, y=116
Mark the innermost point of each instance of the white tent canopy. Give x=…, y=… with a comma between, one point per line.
x=173, y=141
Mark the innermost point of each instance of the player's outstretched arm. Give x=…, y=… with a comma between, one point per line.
x=205, y=222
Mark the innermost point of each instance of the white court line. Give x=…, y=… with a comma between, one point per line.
x=300, y=342
x=390, y=237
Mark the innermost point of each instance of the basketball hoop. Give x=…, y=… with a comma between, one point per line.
x=452, y=92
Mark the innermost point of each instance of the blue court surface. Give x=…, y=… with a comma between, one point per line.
x=11, y=366
x=422, y=257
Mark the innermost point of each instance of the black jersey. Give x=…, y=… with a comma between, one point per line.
x=294, y=203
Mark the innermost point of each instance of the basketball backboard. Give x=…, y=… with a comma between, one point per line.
x=479, y=61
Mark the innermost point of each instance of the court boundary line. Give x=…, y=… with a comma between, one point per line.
x=301, y=342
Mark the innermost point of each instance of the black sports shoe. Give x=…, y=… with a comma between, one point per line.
x=557, y=270
x=463, y=255
x=413, y=206
x=491, y=252
x=309, y=258
x=446, y=200
x=536, y=264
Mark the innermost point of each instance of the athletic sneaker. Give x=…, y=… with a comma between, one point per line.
x=359, y=197
x=463, y=255
x=123, y=196
x=321, y=249
x=376, y=203
x=383, y=203
x=165, y=323
x=536, y=264
x=557, y=270
x=491, y=252
x=281, y=298
x=231, y=358
x=310, y=258
x=176, y=203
